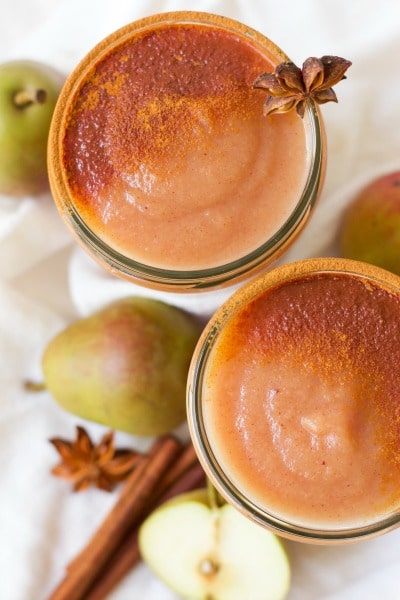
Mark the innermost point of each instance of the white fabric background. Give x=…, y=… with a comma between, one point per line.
x=45, y=282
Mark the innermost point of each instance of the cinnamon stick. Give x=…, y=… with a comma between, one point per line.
x=128, y=554
x=184, y=462
x=187, y=459
x=128, y=509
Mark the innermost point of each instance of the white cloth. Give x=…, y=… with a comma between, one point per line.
x=45, y=282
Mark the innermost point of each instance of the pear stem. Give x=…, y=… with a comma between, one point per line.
x=34, y=386
x=24, y=98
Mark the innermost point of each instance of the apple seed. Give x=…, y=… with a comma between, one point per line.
x=208, y=567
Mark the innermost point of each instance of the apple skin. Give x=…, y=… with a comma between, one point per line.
x=370, y=228
x=24, y=125
x=204, y=552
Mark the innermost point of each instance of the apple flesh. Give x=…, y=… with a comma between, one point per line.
x=370, y=229
x=215, y=553
x=28, y=94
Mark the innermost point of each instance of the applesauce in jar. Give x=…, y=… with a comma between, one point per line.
x=187, y=172
x=162, y=161
x=294, y=399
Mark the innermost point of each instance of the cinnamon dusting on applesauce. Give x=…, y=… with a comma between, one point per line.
x=153, y=97
x=339, y=328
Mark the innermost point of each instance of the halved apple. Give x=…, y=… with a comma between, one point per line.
x=206, y=552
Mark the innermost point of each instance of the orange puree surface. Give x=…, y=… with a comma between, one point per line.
x=302, y=401
x=168, y=156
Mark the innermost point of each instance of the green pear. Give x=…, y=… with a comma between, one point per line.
x=28, y=94
x=201, y=551
x=124, y=366
x=370, y=229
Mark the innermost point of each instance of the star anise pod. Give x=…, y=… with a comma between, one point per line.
x=290, y=87
x=86, y=464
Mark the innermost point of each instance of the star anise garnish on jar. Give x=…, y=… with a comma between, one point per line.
x=86, y=464
x=290, y=87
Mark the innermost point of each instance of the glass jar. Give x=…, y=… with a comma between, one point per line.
x=170, y=278
x=293, y=400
